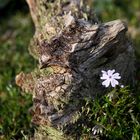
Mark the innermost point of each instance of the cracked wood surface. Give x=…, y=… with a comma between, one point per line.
x=70, y=63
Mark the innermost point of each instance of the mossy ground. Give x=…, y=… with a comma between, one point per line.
x=16, y=29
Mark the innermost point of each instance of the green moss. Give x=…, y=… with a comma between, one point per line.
x=50, y=133
x=114, y=116
x=42, y=72
x=118, y=118
x=15, y=34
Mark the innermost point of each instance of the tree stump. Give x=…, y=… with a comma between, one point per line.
x=72, y=49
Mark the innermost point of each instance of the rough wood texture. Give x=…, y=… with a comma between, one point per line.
x=72, y=51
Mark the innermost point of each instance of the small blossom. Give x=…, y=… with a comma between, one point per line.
x=110, y=77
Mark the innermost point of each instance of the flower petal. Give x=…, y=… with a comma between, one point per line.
x=104, y=72
x=110, y=72
x=106, y=83
x=116, y=76
x=104, y=76
x=114, y=82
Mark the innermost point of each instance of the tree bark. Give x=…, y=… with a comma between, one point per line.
x=72, y=49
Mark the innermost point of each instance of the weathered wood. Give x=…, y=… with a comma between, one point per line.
x=72, y=51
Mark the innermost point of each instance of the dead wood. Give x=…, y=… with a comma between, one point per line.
x=72, y=50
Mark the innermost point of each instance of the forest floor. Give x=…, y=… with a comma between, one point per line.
x=16, y=30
